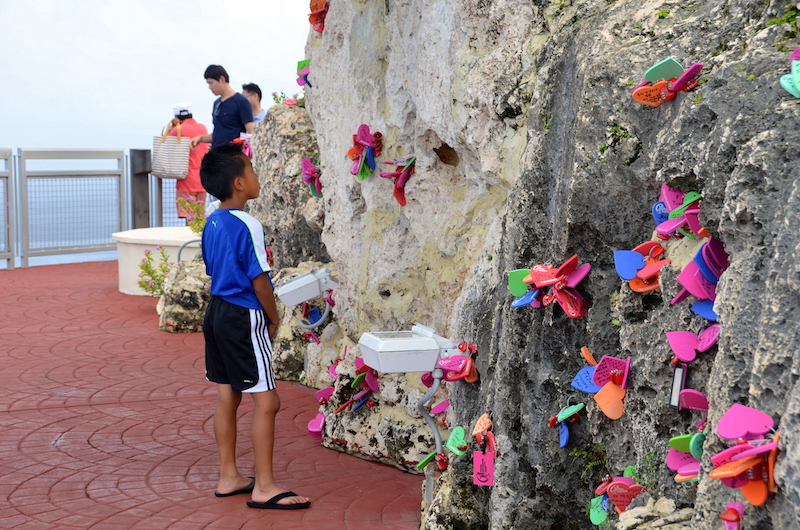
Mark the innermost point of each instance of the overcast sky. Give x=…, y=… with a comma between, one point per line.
x=105, y=73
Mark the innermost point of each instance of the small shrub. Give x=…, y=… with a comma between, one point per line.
x=197, y=214
x=698, y=99
x=152, y=274
x=663, y=13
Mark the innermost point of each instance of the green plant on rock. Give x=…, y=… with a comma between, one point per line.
x=152, y=274
x=547, y=119
x=698, y=99
x=790, y=17
x=751, y=77
x=596, y=459
x=197, y=214
x=663, y=13
x=647, y=473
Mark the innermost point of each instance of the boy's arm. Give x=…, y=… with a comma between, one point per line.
x=266, y=298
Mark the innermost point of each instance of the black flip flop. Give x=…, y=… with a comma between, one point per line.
x=272, y=504
x=246, y=489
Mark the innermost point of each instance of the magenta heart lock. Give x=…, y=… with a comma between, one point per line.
x=744, y=422
x=607, y=364
x=698, y=286
x=726, y=457
x=693, y=400
x=678, y=459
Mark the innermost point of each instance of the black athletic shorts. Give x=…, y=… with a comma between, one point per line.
x=238, y=349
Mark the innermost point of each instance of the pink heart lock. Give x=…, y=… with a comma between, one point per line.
x=698, y=286
x=455, y=363
x=372, y=380
x=755, y=450
x=678, y=459
x=671, y=198
x=692, y=468
x=683, y=344
x=316, y=425
x=577, y=276
x=684, y=82
x=708, y=337
x=602, y=372
x=693, y=400
x=744, y=422
x=324, y=394
x=726, y=457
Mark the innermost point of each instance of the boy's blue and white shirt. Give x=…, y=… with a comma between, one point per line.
x=235, y=253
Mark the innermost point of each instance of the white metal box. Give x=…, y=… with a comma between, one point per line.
x=404, y=351
x=306, y=287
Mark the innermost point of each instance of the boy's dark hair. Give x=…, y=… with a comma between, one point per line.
x=253, y=89
x=219, y=169
x=215, y=71
x=184, y=117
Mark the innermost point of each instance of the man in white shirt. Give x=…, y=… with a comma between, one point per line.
x=253, y=95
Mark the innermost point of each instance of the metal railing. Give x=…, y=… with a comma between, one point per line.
x=48, y=207
x=7, y=208
x=69, y=211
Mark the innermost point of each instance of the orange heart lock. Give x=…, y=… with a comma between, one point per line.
x=653, y=95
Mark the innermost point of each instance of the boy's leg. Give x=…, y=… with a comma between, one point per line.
x=263, y=435
x=230, y=479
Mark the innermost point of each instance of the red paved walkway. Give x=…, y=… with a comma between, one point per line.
x=105, y=423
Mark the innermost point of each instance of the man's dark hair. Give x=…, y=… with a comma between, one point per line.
x=215, y=71
x=219, y=169
x=184, y=117
x=253, y=89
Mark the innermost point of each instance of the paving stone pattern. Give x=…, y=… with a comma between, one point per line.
x=106, y=423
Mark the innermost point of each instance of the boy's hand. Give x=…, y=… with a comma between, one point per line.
x=266, y=298
x=272, y=329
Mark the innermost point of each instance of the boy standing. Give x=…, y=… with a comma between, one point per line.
x=239, y=323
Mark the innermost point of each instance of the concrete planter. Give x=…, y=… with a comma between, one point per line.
x=131, y=245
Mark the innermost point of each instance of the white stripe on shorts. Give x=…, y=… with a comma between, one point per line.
x=262, y=347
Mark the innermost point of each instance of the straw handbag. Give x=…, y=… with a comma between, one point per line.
x=170, y=155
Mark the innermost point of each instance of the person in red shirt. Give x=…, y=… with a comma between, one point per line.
x=189, y=188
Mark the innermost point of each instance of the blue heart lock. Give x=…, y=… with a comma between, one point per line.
x=525, y=299
x=628, y=263
x=660, y=212
x=563, y=434
x=584, y=381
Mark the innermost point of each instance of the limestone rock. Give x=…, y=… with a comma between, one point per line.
x=186, y=296
x=292, y=218
x=529, y=149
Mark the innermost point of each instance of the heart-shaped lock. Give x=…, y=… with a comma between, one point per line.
x=652, y=95
x=628, y=263
x=324, y=395
x=584, y=380
x=563, y=434
x=686, y=81
x=693, y=400
x=724, y=458
x=622, y=495
x=515, y=282
x=602, y=373
x=597, y=514
x=666, y=69
x=577, y=276
x=610, y=399
x=483, y=425
x=744, y=422
x=457, y=442
x=572, y=302
x=677, y=459
x=683, y=344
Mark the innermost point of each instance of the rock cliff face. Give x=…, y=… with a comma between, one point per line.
x=530, y=149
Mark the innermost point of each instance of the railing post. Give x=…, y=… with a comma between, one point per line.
x=140, y=192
